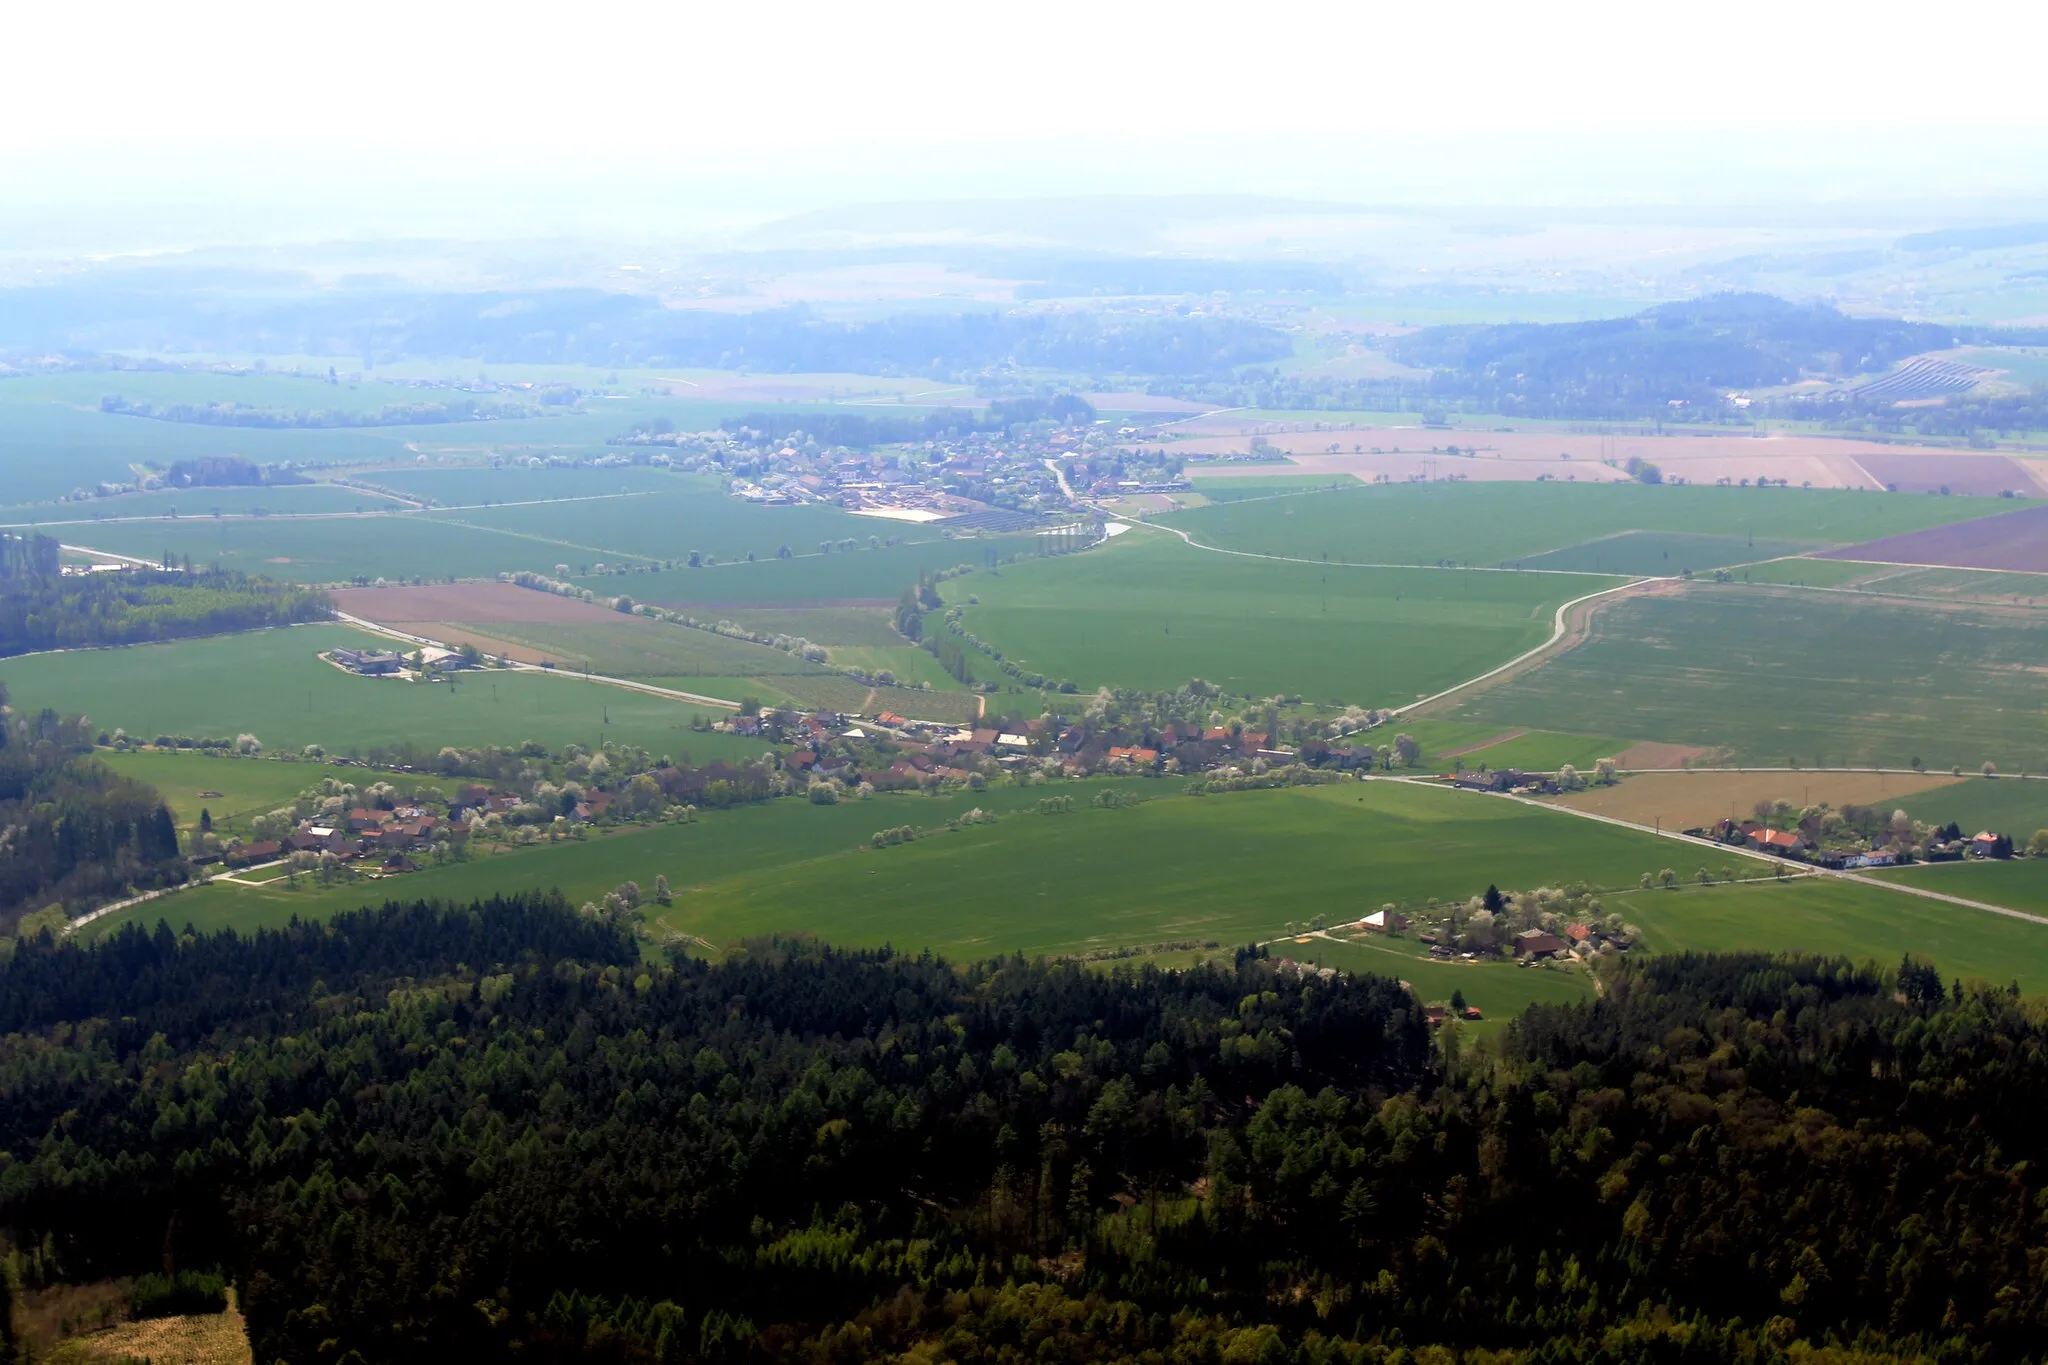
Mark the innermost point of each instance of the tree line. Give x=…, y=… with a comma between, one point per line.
x=430, y=1132
x=43, y=609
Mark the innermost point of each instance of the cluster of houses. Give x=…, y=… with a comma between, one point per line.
x=1944, y=845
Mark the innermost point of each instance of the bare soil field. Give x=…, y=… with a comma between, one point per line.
x=1976, y=475
x=1651, y=754
x=1688, y=800
x=2015, y=540
x=1822, y=461
x=475, y=603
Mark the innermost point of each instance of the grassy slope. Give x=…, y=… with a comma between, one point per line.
x=1771, y=674
x=1147, y=611
x=1500, y=523
x=271, y=683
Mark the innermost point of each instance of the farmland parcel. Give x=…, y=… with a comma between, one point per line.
x=1777, y=676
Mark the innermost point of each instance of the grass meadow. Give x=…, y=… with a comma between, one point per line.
x=1147, y=611
x=272, y=684
x=1509, y=524
x=810, y=578
x=328, y=549
x=1783, y=677
x=75, y=520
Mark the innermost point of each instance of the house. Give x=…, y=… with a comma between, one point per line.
x=1578, y=933
x=1012, y=742
x=398, y=862
x=368, y=662
x=799, y=761
x=1989, y=845
x=1872, y=860
x=1215, y=734
x=1473, y=1012
x=1143, y=758
x=1777, y=841
x=745, y=725
x=1535, y=943
x=1384, y=922
x=891, y=719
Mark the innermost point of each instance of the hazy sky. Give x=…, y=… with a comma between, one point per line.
x=1477, y=101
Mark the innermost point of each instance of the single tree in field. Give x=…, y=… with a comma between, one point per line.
x=1703, y=877
x=1989, y=769
x=1667, y=879
x=1409, y=752
x=1647, y=880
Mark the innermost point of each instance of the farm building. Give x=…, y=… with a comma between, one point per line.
x=368, y=662
x=1534, y=943
x=1384, y=921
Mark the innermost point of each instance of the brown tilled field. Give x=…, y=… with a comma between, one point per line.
x=1822, y=461
x=472, y=602
x=1690, y=800
x=2013, y=540
x=1976, y=475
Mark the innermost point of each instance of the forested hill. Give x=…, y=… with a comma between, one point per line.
x=593, y=327
x=1693, y=352
x=480, y=1133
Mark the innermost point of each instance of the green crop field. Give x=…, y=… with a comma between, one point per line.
x=1509, y=523
x=690, y=514
x=1233, y=489
x=720, y=844
x=808, y=577
x=1660, y=554
x=644, y=648
x=464, y=485
x=1821, y=915
x=2005, y=805
x=247, y=786
x=271, y=683
x=72, y=520
x=1147, y=611
x=859, y=627
x=2019, y=884
x=327, y=549
x=1778, y=675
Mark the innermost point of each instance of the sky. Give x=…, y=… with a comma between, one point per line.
x=707, y=112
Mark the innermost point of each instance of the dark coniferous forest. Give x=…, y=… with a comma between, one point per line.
x=494, y=1131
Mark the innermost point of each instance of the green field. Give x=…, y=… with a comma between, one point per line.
x=810, y=578
x=646, y=649
x=463, y=485
x=247, y=786
x=1147, y=611
x=1819, y=679
x=272, y=684
x=1510, y=523
x=2019, y=884
x=1231, y=489
x=2006, y=805
x=328, y=549
x=1660, y=554
x=1821, y=915
x=72, y=520
x=690, y=513
x=858, y=627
